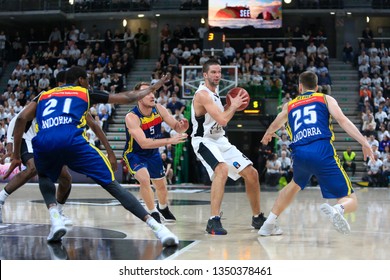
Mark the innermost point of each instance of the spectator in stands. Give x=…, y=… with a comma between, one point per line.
x=3, y=114
x=385, y=59
x=258, y=50
x=380, y=114
x=301, y=58
x=290, y=61
x=372, y=49
x=175, y=104
x=248, y=50
x=324, y=83
x=229, y=53
x=291, y=48
x=311, y=67
x=323, y=50
x=280, y=53
x=369, y=124
x=363, y=57
x=349, y=163
x=13, y=82
x=283, y=140
x=55, y=37
x=285, y=166
x=168, y=167
x=103, y=117
x=348, y=53
x=385, y=142
x=365, y=81
x=386, y=170
x=382, y=132
x=373, y=141
x=374, y=172
x=189, y=31
x=367, y=35
x=43, y=83
x=273, y=174
x=105, y=81
x=311, y=49
x=204, y=58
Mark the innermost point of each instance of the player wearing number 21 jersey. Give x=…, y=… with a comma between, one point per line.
x=61, y=140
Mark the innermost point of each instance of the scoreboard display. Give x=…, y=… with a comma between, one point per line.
x=214, y=40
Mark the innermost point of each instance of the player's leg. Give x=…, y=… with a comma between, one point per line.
x=208, y=152
x=80, y=160
x=48, y=190
x=284, y=199
x=335, y=184
x=63, y=192
x=302, y=173
x=146, y=192
x=252, y=188
x=49, y=168
x=162, y=197
x=17, y=181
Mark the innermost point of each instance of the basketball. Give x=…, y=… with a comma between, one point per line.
x=233, y=92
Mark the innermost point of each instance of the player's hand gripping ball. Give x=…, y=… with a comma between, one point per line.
x=233, y=93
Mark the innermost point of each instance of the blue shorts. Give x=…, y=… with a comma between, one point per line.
x=320, y=159
x=153, y=164
x=51, y=153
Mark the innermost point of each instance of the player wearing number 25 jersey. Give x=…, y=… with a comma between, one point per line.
x=310, y=129
x=309, y=124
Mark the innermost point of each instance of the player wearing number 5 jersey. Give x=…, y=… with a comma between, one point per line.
x=309, y=124
x=220, y=158
x=61, y=140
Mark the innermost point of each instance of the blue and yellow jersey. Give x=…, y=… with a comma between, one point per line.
x=309, y=119
x=151, y=125
x=62, y=106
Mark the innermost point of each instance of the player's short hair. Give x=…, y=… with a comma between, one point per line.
x=308, y=79
x=74, y=73
x=208, y=63
x=61, y=77
x=140, y=84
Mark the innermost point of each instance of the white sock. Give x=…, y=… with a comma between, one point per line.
x=153, y=210
x=162, y=206
x=271, y=219
x=339, y=208
x=54, y=214
x=60, y=207
x=3, y=196
x=153, y=224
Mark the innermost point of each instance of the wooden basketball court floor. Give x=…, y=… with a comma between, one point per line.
x=104, y=230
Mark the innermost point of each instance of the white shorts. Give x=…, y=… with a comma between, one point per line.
x=211, y=152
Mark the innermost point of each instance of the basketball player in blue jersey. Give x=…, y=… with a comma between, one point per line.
x=27, y=156
x=220, y=158
x=61, y=140
x=141, y=154
x=309, y=124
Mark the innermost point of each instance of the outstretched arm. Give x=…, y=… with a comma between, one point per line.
x=279, y=121
x=179, y=126
x=133, y=126
x=132, y=96
x=349, y=127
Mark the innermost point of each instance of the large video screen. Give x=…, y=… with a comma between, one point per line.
x=236, y=14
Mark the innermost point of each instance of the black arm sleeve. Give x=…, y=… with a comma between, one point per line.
x=98, y=96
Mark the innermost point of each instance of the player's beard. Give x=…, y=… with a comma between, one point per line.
x=211, y=82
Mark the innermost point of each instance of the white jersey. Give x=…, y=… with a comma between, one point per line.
x=29, y=132
x=205, y=126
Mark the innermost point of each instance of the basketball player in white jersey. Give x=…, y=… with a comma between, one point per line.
x=220, y=158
